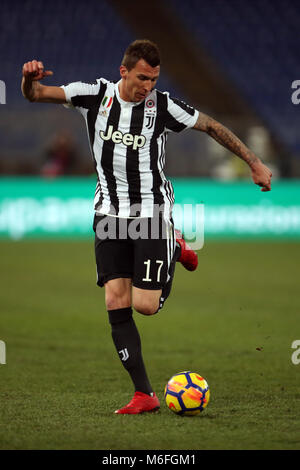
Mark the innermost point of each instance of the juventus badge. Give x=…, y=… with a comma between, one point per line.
x=150, y=120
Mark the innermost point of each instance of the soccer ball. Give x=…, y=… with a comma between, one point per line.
x=187, y=393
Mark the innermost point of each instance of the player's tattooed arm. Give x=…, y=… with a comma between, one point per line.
x=261, y=175
x=225, y=137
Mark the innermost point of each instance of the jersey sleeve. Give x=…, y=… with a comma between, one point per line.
x=81, y=95
x=180, y=115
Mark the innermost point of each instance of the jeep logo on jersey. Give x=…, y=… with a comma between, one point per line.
x=137, y=141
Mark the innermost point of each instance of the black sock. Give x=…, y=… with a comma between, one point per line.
x=128, y=344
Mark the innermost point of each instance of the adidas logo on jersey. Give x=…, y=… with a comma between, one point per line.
x=137, y=141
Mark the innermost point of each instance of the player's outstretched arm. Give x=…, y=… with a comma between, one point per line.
x=261, y=174
x=33, y=90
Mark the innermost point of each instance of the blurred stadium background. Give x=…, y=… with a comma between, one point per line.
x=234, y=60
x=235, y=318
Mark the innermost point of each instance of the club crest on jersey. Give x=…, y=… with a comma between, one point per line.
x=137, y=141
x=149, y=120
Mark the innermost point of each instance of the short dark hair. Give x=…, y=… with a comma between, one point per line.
x=141, y=49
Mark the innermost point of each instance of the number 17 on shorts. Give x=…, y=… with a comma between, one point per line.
x=159, y=264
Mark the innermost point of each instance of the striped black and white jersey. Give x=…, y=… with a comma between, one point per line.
x=128, y=143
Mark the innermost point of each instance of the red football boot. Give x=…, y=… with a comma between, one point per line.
x=188, y=257
x=140, y=403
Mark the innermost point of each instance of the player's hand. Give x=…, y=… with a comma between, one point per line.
x=261, y=175
x=34, y=70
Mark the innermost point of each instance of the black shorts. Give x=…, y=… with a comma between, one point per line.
x=139, y=249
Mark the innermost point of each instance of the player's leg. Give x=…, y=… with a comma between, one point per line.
x=127, y=341
x=155, y=268
x=153, y=258
x=184, y=255
x=155, y=261
x=114, y=269
x=124, y=332
x=149, y=302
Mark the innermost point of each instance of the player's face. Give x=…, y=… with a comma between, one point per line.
x=138, y=82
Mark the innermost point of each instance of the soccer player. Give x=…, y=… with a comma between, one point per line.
x=127, y=125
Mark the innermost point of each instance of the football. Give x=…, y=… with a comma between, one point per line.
x=187, y=393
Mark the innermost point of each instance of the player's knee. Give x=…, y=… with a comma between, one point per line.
x=115, y=302
x=117, y=295
x=145, y=307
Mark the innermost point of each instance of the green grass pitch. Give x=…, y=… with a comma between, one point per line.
x=232, y=321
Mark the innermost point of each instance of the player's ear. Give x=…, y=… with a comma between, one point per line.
x=123, y=71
